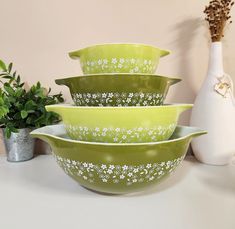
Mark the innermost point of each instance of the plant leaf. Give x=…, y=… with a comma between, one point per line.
x=10, y=67
x=30, y=105
x=23, y=114
x=7, y=132
x=9, y=89
x=3, y=66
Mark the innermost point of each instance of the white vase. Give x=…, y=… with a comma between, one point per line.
x=214, y=111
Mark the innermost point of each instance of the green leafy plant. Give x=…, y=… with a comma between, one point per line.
x=21, y=108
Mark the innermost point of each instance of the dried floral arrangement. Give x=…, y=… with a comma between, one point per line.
x=218, y=16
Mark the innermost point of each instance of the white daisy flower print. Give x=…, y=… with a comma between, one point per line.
x=130, y=174
x=141, y=95
x=114, y=61
x=145, y=103
x=85, y=165
x=109, y=171
x=132, y=61
x=112, y=167
x=125, y=167
x=128, y=100
x=122, y=60
x=119, y=65
x=122, y=177
x=129, y=132
x=136, y=170
x=117, y=129
x=136, y=69
x=103, y=166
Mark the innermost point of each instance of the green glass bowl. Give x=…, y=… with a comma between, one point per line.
x=118, y=89
x=120, y=124
x=117, y=168
x=119, y=58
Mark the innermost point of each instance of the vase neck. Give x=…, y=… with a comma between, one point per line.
x=216, y=60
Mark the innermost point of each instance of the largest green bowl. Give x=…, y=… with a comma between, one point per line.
x=118, y=89
x=117, y=168
x=120, y=124
x=125, y=58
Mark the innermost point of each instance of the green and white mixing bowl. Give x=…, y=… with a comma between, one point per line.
x=120, y=124
x=119, y=58
x=117, y=168
x=118, y=89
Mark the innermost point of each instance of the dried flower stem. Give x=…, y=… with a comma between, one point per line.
x=218, y=16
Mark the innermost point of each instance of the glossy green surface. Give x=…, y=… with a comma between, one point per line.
x=117, y=168
x=118, y=89
x=120, y=124
x=119, y=58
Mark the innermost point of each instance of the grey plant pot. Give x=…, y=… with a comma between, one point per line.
x=20, y=146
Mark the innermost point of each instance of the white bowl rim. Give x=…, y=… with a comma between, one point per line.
x=121, y=74
x=120, y=43
x=55, y=128
x=165, y=106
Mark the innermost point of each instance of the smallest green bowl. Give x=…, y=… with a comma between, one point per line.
x=119, y=58
x=120, y=124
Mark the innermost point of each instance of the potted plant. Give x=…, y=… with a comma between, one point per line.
x=22, y=110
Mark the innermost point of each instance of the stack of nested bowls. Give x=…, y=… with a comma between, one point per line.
x=118, y=137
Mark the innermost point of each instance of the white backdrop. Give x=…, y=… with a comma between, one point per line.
x=36, y=36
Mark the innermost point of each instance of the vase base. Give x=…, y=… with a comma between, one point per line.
x=215, y=162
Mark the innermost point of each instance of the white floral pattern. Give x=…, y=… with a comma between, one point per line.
x=123, y=174
x=127, y=65
x=118, y=99
x=120, y=135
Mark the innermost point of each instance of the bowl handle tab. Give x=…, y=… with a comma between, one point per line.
x=75, y=54
x=197, y=133
x=54, y=108
x=42, y=136
x=164, y=53
x=174, y=80
x=62, y=82
x=184, y=107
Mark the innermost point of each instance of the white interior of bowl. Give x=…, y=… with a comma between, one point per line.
x=59, y=132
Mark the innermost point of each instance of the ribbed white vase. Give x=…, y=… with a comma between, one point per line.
x=215, y=113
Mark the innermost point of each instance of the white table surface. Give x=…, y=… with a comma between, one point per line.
x=37, y=194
